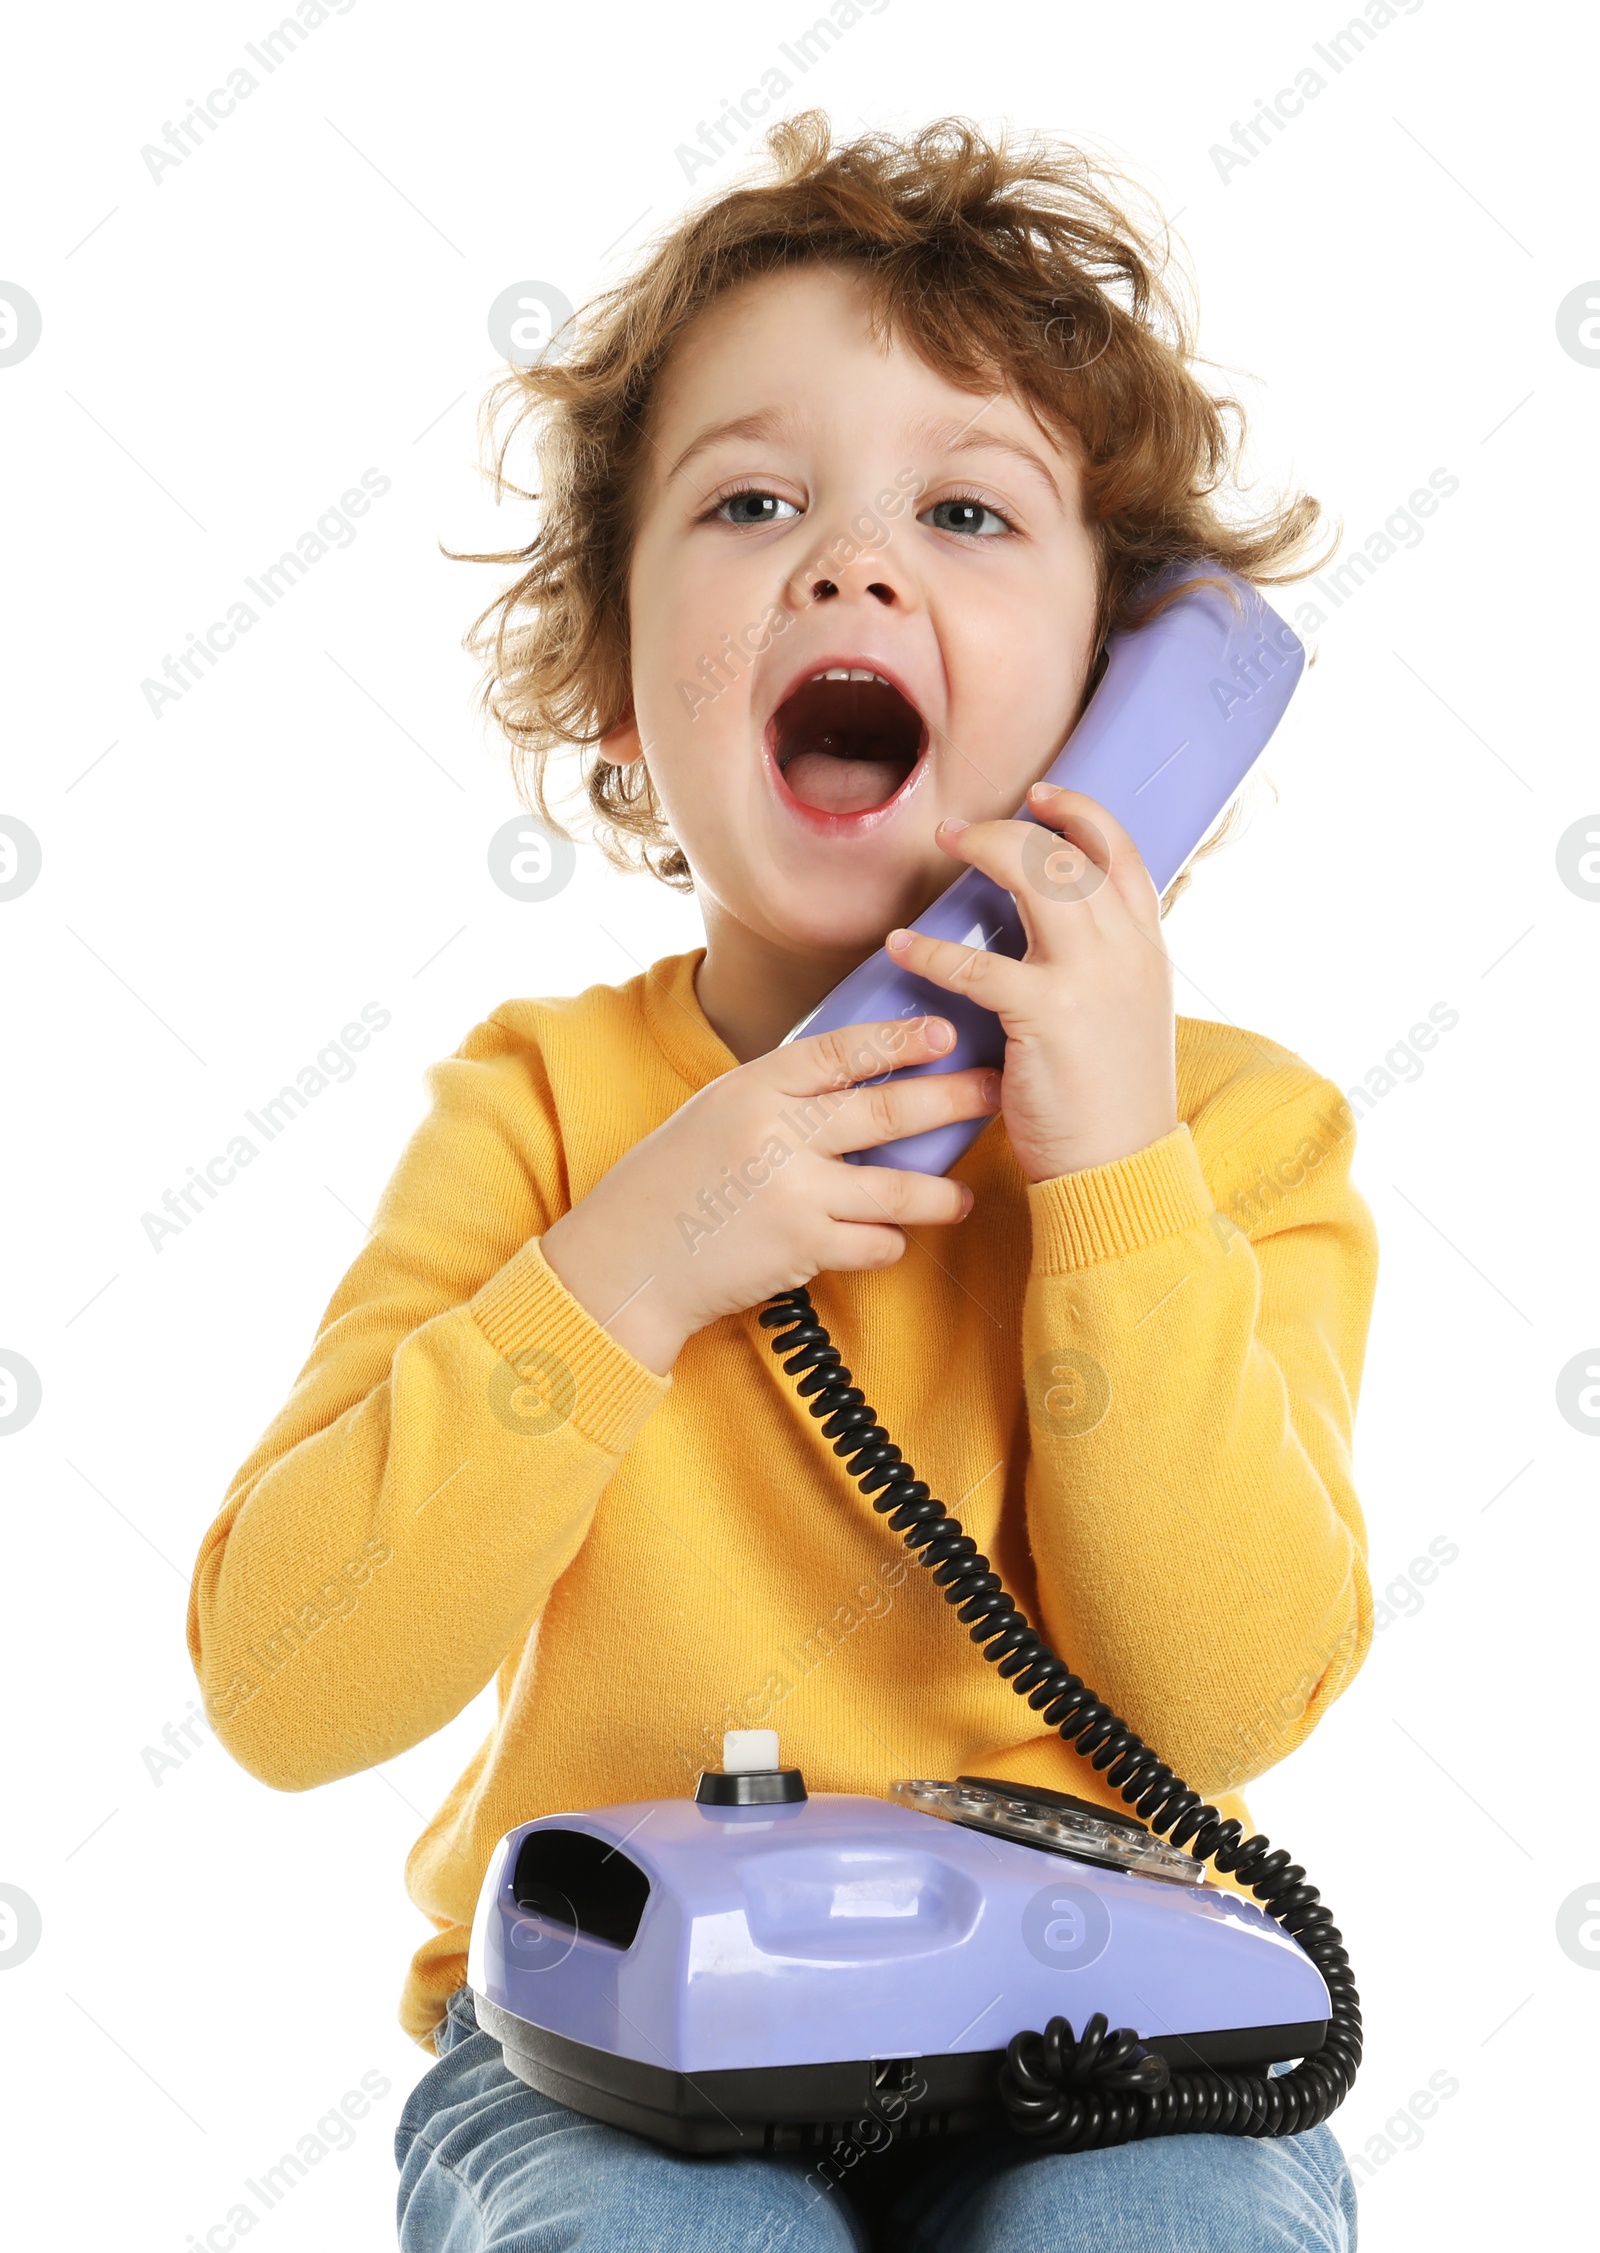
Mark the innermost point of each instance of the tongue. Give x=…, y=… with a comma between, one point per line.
x=842, y=786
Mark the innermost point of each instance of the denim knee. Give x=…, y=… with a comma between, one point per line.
x=1174, y=2194
x=488, y=2165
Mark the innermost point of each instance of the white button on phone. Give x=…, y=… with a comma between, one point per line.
x=745, y=1750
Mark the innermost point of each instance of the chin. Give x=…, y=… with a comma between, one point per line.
x=849, y=918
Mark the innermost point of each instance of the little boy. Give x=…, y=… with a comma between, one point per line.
x=842, y=494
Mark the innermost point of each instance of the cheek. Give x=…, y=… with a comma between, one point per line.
x=668, y=634
x=695, y=624
x=692, y=705
x=692, y=694
x=1018, y=653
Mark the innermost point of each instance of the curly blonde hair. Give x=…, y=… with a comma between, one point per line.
x=1064, y=280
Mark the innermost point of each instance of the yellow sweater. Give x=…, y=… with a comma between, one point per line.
x=1135, y=1385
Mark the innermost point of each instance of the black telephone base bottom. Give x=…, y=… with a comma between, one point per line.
x=800, y=2108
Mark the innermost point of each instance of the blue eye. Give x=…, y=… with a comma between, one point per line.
x=754, y=507
x=957, y=515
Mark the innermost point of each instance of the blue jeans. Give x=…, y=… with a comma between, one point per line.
x=489, y=2166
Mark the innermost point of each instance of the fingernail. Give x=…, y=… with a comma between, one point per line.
x=1045, y=790
x=898, y=939
x=991, y=1087
x=954, y=826
x=940, y=1035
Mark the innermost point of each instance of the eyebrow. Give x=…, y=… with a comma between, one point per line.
x=963, y=438
x=946, y=438
x=765, y=423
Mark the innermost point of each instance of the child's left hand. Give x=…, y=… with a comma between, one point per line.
x=1090, y=1066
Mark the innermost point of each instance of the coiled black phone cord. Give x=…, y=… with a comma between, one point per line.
x=1073, y=2093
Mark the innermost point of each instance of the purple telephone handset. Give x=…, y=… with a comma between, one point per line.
x=1184, y=709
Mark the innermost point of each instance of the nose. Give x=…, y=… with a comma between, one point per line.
x=824, y=590
x=856, y=563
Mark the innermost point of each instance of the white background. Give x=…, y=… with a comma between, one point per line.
x=222, y=888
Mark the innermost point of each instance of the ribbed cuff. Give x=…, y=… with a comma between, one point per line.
x=1106, y=1210
x=526, y=1309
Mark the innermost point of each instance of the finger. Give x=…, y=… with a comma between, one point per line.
x=1072, y=855
x=859, y=1118
x=994, y=981
x=1060, y=880
x=827, y=1062
x=885, y=1196
x=1068, y=811
x=849, y=1249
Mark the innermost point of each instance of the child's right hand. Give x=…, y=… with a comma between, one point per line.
x=745, y=1192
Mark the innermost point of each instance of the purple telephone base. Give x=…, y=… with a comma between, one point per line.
x=729, y=1977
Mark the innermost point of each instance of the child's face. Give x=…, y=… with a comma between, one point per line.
x=814, y=502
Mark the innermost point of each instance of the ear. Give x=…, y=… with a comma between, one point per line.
x=623, y=744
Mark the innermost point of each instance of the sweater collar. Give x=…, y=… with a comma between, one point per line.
x=677, y=1023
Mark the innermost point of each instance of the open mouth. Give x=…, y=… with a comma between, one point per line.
x=846, y=740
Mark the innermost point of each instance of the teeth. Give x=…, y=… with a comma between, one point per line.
x=850, y=673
